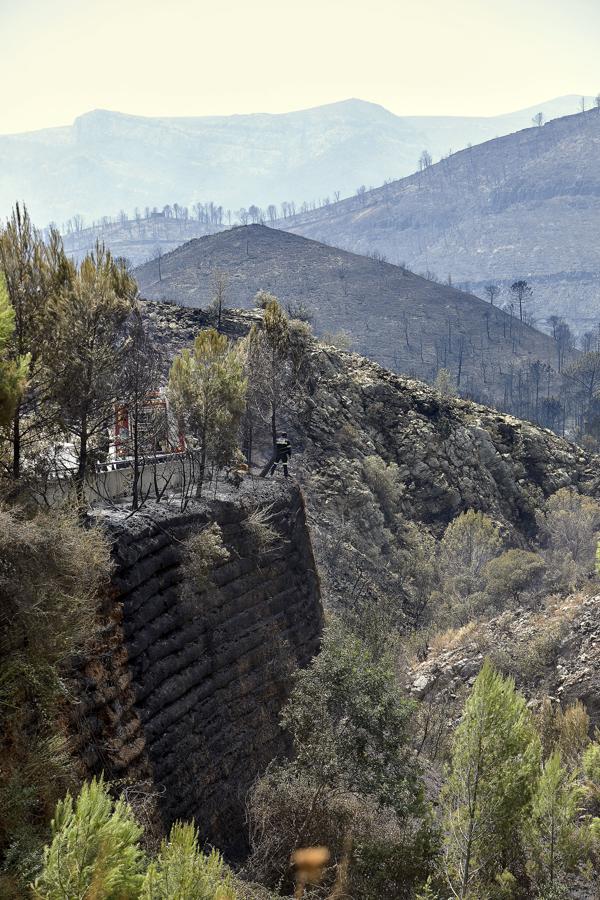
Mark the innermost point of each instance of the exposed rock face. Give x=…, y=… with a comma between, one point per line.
x=553, y=651
x=452, y=454
x=211, y=667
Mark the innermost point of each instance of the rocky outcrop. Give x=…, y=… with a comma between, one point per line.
x=452, y=454
x=208, y=666
x=439, y=455
x=554, y=651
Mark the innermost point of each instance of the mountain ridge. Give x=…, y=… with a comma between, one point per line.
x=115, y=160
x=401, y=320
x=524, y=205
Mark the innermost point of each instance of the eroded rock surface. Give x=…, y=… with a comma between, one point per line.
x=553, y=651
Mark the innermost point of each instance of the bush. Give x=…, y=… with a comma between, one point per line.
x=259, y=529
x=445, y=383
x=533, y=659
x=263, y=298
x=513, y=573
x=95, y=853
x=51, y=574
x=386, y=483
x=203, y=551
x=388, y=855
x=353, y=770
x=341, y=340
x=470, y=541
x=569, y=524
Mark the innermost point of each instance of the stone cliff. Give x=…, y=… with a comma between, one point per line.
x=191, y=679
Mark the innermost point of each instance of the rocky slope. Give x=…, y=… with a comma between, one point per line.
x=552, y=651
x=451, y=455
x=405, y=322
x=111, y=161
x=188, y=689
x=526, y=205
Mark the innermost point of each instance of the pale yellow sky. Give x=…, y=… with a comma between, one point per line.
x=60, y=58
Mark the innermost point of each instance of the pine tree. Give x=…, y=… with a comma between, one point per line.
x=495, y=759
x=140, y=377
x=182, y=872
x=208, y=390
x=350, y=725
x=470, y=541
x=35, y=273
x=94, y=850
x=13, y=372
x=551, y=834
x=87, y=367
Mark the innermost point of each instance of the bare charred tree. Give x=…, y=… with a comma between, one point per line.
x=140, y=379
x=522, y=292
x=219, y=282
x=425, y=160
x=564, y=342
x=492, y=290
x=157, y=255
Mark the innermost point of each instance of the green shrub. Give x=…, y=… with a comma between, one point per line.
x=470, y=541
x=203, y=551
x=182, y=872
x=94, y=850
x=51, y=573
x=513, y=573
x=569, y=524
x=385, y=482
x=258, y=526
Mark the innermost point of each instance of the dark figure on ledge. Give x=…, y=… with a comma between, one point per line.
x=283, y=451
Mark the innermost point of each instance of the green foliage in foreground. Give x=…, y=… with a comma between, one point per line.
x=182, y=872
x=94, y=850
x=51, y=574
x=95, y=854
x=495, y=760
x=351, y=724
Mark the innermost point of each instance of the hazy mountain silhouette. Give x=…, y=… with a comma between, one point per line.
x=106, y=161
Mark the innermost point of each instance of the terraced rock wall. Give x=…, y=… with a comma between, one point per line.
x=211, y=667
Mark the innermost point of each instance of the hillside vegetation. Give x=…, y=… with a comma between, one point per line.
x=526, y=205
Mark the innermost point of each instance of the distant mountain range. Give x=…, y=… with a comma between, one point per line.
x=107, y=161
x=522, y=206
x=406, y=323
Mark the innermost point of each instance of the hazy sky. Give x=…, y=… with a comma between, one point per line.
x=60, y=58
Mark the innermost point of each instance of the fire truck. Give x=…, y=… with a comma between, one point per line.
x=158, y=429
